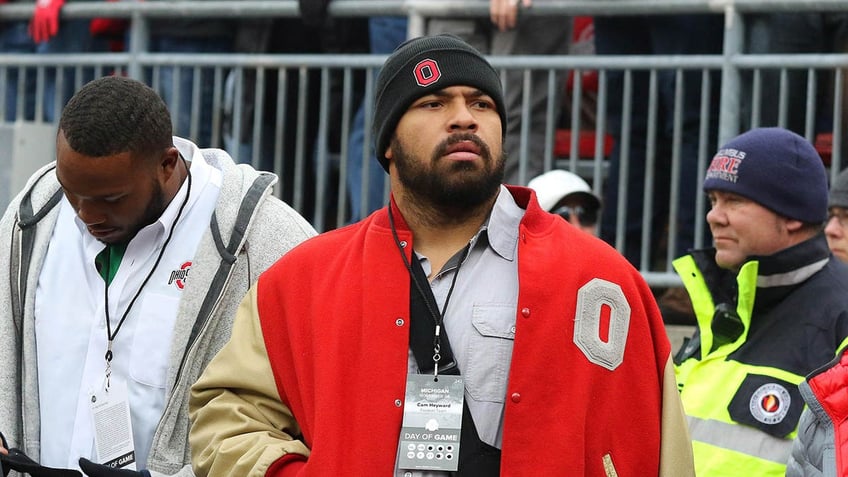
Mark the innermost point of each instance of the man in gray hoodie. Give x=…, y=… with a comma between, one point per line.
x=123, y=265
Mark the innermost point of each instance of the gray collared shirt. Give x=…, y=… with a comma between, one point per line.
x=480, y=318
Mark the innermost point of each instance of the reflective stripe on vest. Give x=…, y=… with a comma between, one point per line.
x=744, y=439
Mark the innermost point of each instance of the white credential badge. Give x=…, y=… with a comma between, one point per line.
x=432, y=423
x=113, y=437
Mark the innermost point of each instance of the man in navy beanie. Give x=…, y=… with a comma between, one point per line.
x=770, y=299
x=460, y=331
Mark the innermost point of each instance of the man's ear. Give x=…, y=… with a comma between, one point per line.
x=793, y=225
x=169, y=162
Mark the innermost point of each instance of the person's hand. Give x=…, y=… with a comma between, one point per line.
x=98, y=470
x=45, y=20
x=17, y=460
x=4, y=471
x=504, y=13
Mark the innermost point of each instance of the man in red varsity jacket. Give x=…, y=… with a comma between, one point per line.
x=462, y=330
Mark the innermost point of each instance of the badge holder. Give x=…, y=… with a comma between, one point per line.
x=432, y=423
x=112, y=424
x=433, y=408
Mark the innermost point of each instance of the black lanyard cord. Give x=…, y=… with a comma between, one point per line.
x=111, y=336
x=438, y=318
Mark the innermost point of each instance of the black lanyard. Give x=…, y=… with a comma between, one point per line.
x=429, y=300
x=110, y=336
x=476, y=458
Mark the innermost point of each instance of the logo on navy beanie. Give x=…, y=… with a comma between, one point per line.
x=725, y=165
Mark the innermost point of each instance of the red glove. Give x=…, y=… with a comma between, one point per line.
x=45, y=20
x=108, y=26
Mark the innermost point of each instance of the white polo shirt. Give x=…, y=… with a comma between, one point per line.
x=70, y=322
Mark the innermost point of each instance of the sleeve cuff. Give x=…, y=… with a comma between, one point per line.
x=288, y=465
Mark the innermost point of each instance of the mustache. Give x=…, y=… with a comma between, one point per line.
x=442, y=148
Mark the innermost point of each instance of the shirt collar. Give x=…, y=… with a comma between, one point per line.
x=500, y=231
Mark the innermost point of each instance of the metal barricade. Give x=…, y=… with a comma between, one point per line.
x=298, y=134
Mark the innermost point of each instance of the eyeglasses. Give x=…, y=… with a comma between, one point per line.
x=841, y=217
x=587, y=216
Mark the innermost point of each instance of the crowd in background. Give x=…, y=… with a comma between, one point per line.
x=624, y=196
x=779, y=229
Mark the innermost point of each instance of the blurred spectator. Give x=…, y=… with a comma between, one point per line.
x=190, y=35
x=270, y=35
x=795, y=32
x=656, y=35
x=771, y=302
x=582, y=43
x=44, y=33
x=676, y=307
x=508, y=32
x=14, y=38
x=296, y=134
x=836, y=229
x=113, y=31
x=566, y=194
x=385, y=34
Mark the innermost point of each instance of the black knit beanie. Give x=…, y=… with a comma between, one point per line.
x=775, y=168
x=421, y=66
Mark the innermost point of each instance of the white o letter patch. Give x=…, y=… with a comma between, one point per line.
x=592, y=299
x=427, y=72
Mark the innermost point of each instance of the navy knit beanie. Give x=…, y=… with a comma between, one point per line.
x=421, y=66
x=775, y=168
x=838, y=196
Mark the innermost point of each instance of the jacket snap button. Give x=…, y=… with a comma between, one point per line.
x=399, y=322
x=398, y=403
x=516, y=398
x=525, y=312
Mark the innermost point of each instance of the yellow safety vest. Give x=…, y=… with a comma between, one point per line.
x=709, y=381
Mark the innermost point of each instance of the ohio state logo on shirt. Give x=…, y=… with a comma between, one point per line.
x=427, y=72
x=770, y=403
x=180, y=275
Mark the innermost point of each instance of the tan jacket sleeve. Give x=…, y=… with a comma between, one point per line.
x=239, y=426
x=676, y=457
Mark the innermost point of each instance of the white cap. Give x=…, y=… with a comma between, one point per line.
x=552, y=186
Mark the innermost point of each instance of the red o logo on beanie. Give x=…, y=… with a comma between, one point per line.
x=427, y=72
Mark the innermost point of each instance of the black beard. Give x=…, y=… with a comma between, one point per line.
x=151, y=214
x=459, y=189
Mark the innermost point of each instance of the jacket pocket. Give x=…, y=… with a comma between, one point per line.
x=151, y=349
x=490, y=351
